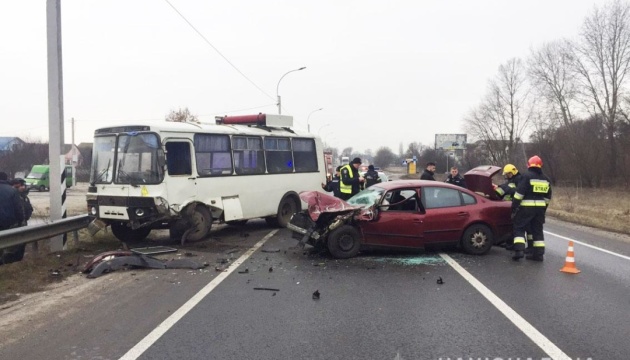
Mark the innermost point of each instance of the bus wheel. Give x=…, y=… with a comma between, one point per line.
x=288, y=206
x=201, y=222
x=123, y=232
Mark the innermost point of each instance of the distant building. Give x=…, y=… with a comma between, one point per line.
x=9, y=143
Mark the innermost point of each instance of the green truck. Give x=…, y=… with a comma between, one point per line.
x=39, y=177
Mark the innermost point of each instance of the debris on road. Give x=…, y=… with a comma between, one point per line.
x=440, y=281
x=246, y=271
x=267, y=289
x=271, y=250
x=316, y=295
x=114, y=260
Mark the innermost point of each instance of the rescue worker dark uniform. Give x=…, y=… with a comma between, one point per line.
x=11, y=214
x=506, y=192
x=350, y=183
x=529, y=206
x=332, y=185
x=371, y=177
x=456, y=180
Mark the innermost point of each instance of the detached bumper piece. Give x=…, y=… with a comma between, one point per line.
x=116, y=260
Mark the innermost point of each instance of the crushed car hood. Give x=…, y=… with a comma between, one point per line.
x=320, y=203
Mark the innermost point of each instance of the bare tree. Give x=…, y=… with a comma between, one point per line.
x=413, y=149
x=22, y=158
x=384, y=157
x=550, y=69
x=504, y=115
x=181, y=115
x=602, y=61
x=347, y=151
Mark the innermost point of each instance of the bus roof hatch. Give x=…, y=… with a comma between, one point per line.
x=259, y=119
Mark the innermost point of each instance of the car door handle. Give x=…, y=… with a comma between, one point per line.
x=462, y=214
x=417, y=221
x=192, y=178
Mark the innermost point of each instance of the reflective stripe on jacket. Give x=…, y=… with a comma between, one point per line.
x=534, y=190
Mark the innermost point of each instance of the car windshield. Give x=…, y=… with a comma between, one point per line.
x=35, y=176
x=367, y=197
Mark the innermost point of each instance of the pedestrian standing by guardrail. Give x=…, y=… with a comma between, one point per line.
x=11, y=215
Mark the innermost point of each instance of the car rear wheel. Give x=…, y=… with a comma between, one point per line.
x=477, y=239
x=41, y=188
x=344, y=242
x=123, y=232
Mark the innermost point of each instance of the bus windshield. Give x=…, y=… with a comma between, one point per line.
x=138, y=159
x=103, y=160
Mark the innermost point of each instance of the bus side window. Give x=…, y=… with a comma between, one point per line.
x=213, y=154
x=278, y=155
x=304, y=155
x=178, y=158
x=248, y=155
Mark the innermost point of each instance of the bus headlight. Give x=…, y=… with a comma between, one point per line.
x=93, y=210
x=139, y=212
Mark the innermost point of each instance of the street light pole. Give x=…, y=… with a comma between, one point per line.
x=308, y=124
x=278, y=87
x=320, y=129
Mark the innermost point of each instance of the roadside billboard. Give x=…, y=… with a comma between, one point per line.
x=450, y=141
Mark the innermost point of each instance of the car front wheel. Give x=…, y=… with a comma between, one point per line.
x=344, y=242
x=477, y=239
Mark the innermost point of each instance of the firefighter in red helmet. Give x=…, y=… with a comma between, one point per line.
x=529, y=205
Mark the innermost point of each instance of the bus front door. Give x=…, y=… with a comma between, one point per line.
x=181, y=179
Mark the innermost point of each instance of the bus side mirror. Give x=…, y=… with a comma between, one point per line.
x=161, y=158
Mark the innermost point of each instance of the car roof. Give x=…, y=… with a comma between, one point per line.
x=394, y=184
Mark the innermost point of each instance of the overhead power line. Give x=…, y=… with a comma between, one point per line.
x=217, y=50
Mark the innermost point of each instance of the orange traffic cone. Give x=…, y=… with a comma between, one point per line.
x=569, y=264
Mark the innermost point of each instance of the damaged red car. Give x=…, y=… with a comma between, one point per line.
x=407, y=214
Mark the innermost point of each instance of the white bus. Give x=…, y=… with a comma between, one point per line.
x=185, y=176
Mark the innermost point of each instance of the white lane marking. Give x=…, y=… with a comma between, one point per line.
x=590, y=246
x=154, y=335
x=536, y=336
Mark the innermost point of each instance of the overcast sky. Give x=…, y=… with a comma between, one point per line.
x=384, y=72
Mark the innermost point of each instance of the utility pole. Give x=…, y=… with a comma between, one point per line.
x=55, y=119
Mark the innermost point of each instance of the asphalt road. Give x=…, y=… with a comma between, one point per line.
x=376, y=306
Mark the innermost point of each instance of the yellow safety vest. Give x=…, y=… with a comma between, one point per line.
x=346, y=189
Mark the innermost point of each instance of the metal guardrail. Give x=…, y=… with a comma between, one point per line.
x=32, y=233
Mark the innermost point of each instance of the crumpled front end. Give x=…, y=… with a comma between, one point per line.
x=324, y=214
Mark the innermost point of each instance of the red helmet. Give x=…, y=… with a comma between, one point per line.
x=534, y=161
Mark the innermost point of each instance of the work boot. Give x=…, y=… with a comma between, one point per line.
x=518, y=255
x=534, y=257
x=528, y=251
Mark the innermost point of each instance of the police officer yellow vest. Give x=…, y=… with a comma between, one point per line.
x=346, y=189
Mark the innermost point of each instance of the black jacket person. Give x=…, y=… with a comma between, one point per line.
x=428, y=172
x=11, y=213
x=371, y=177
x=332, y=184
